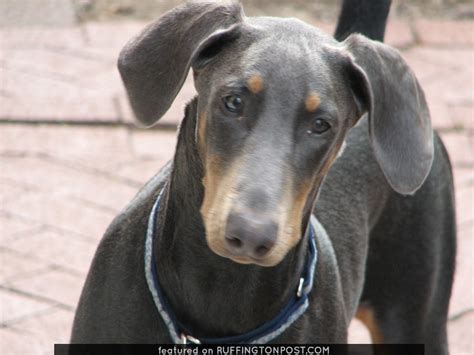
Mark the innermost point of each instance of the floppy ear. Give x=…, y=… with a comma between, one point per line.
x=155, y=64
x=399, y=119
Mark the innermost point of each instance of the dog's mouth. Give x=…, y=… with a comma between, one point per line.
x=244, y=260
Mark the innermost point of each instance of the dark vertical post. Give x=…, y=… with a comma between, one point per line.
x=367, y=17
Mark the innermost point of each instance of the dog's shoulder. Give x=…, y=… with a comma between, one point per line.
x=117, y=266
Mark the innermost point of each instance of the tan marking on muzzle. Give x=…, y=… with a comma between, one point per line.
x=290, y=223
x=202, y=130
x=219, y=195
x=366, y=315
x=312, y=102
x=255, y=83
x=293, y=205
x=212, y=175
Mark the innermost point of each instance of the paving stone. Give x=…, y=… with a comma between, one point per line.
x=12, y=227
x=62, y=66
x=15, y=307
x=465, y=206
x=152, y=150
x=398, y=33
x=140, y=170
x=66, y=181
x=67, y=43
x=460, y=148
x=78, y=214
x=463, y=115
x=51, y=13
x=420, y=60
x=13, y=265
x=63, y=213
x=445, y=74
x=447, y=80
x=96, y=192
x=441, y=117
x=52, y=248
x=53, y=327
x=27, y=38
x=30, y=97
x=104, y=149
x=51, y=87
x=13, y=342
x=111, y=35
x=10, y=190
x=436, y=59
x=452, y=88
x=55, y=285
x=442, y=32
x=463, y=177
x=108, y=82
x=150, y=143
x=64, y=141
x=460, y=335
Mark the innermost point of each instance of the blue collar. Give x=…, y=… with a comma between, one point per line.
x=268, y=331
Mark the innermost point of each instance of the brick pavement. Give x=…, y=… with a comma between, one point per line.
x=62, y=184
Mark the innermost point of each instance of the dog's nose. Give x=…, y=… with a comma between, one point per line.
x=248, y=236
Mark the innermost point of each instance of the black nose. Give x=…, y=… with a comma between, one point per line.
x=248, y=236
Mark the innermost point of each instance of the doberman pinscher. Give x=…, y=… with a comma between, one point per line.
x=307, y=188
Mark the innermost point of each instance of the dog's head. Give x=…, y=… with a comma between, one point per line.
x=276, y=100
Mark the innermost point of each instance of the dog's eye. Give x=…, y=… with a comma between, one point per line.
x=319, y=126
x=233, y=103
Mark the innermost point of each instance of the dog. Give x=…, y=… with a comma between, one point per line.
x=307, y=188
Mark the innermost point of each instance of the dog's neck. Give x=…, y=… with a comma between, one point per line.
x=211, y=295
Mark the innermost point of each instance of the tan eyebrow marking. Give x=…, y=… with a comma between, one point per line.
x=312, y=102
x=255, y=83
